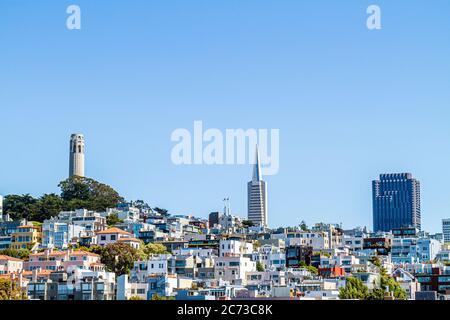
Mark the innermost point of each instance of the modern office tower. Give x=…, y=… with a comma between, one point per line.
x=257, y=196
x=446, y=230
x=396, y=202
x=76, y=161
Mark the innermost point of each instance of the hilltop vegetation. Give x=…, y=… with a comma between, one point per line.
x=76, y=193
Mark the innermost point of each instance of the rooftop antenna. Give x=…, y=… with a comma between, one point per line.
x=226, y=209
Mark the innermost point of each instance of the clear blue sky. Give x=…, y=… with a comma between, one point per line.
x=350, y=103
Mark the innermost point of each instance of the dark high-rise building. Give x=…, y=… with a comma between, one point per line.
x=396, y=202
x=214, y=218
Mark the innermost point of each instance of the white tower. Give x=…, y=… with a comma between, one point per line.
x=257, y=196
x=76, y=160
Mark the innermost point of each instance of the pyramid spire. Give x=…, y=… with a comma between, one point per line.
x=257, y=167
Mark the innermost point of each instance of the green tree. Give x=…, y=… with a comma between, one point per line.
x=376, y=261
x=161, y=211
x=94, y=249
x=155, y=248
x=302, y=264
x=145, y=251
x=19, y=254
x=9, y=290
x=118, y=257
x=19, y=206
x=312, y=269
x=47, y=206
x=354, y=289
x=80, y=192
x=135, y=298
x=388, y=283
x=259, y=266
x=113, y=219
x=304, y=226
x=248, y=223
x=158, y=297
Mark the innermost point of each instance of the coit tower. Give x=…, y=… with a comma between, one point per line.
x=76, y=160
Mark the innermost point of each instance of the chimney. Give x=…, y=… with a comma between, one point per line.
x=34, y=275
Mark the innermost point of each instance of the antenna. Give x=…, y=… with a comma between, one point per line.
x=226, y=209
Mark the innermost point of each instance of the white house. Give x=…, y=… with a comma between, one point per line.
x=111, y=235
x=233, y=268
x=10, y=265
x=234, y=247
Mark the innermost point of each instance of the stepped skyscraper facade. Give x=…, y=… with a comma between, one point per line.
x=257, y=195
x=76, y=159
x=396, y=202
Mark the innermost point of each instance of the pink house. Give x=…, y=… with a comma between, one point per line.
x=63, y=260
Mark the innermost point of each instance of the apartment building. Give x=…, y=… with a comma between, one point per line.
x=233, y=268
x=26, y=237
x=63, y=261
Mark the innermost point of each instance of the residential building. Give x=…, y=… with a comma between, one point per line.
x=269, y=278
x=112, y=235
x=10, y=265
x=434, y=278
x=59, y=234
x=414, y=250
x=91, y=221
x=26, y=237
x=234, y=247
x=296, y=256
x=381, y=245
x=233, y=269
x=63, y=261
x=271, y=257
x=79, y=285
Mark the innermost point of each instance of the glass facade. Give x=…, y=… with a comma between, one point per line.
x=396, y=202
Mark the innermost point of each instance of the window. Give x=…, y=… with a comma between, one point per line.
x=424, y=279
x=103, y=238
x=113, y=237
x=444, y=279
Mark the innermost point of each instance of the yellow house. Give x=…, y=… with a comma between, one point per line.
x=26, y=237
